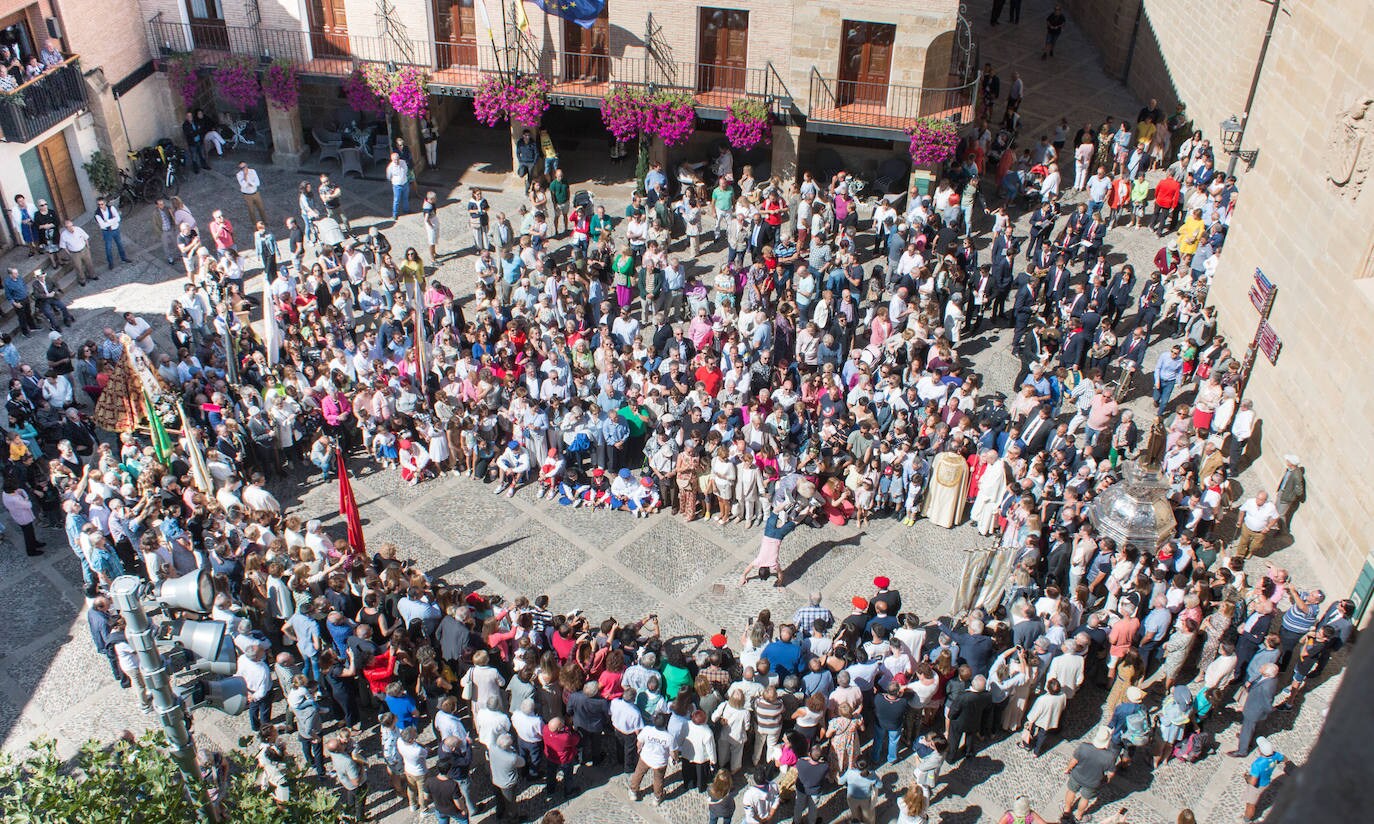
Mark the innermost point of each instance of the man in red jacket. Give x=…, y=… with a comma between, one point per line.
x=1166, y=205
x=560, y=754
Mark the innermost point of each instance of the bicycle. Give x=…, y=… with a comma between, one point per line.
x=137, y=189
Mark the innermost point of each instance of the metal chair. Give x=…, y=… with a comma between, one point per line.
x=890, y=171
x=350, y=160
x=330, y=144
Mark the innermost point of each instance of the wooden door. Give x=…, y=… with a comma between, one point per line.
x=455, y=29
x=329, y=28
x=722, y=50
x=585, y=50
x=60, y=173
x=865, y=62
x=207, y=25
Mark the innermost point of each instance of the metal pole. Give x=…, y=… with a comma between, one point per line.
x=1276, y=7
x=124, y=591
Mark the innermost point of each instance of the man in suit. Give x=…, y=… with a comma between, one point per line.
x=1041, y=227
x=1075, y=348
x=1002, y=241
x=1036, y=432
x=1133, y=347
x=1003, y=279
x=1023, y=309
x=1259, y=702
x=1151, y=299
x=1057, y=281
x=1092, y=239
x=1292, y=489
x=969, y=713
x=1091, y=318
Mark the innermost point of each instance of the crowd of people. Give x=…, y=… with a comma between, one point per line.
x=814, y=378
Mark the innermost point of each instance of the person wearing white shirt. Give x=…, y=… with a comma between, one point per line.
x=108, y=219
x=249, y=184
x=398, y=175
x=490, y=722
x=257, y=677
x=139, y=331
x=77, y=244
x=57, y=391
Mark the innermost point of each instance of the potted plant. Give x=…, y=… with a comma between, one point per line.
x=410, y=93
x=103, y=174
x=933, y=141
x=281, y=85
x=360, y=95
x=236, y=79
x=182, y=77
x=523, y=99
x=746, y=124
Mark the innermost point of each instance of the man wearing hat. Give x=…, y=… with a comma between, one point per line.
x=890, y=598
x=512, y=465
x=1260, y=775
x=1292, y=490
x=1093, y=764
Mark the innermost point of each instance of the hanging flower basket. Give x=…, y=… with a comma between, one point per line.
x=523, y=99
x=182, y=77
x=630, y=113
x=933, y=141
x=236, y=80
x=747, y=124
x=281, y=84
x=673, y=117
x=410, y=94
x=361, y=98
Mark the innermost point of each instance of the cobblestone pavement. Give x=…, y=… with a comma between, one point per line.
x=52, y=683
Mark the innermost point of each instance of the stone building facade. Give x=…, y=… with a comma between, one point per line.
x=1305, y=217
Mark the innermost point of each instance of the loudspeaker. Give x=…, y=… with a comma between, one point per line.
x=195, y=593
x=54, y=28
x=228, y=695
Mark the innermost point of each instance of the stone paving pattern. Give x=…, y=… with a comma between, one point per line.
x=53, y=684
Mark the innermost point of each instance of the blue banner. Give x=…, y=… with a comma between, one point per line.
x=581, y=12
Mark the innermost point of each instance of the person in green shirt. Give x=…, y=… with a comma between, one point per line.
x=623, y=276
x=601, y=224
x=723, y=202
x=1140, y=195
x=558, y=194
x=638, y=419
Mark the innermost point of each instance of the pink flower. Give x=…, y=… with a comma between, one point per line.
x=181, y=75
x=747, y=124
x=933, y=141
x=236, y=80
x=281, y=84
x=631, y=112
x=410, y=95
x=523, y=99
x=361, y=98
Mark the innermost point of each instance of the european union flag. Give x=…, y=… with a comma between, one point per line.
x=581, y=12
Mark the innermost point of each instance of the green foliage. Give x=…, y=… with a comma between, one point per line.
x=103, y=172
x=138, y=781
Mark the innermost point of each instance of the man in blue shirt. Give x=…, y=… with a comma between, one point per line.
x=17, y=292
x=1168, y=369
x=1260, y=775
x=783, y=654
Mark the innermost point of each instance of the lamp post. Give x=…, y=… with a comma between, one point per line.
x=1238, y=125
x=190, y=592
x=1232, y=135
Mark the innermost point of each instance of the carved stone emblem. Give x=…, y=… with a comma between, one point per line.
x=1350, y=148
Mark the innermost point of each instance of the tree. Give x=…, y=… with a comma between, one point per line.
x=134, y=779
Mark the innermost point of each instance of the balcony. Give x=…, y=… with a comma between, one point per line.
x=575, y=79
x=42, y=103
x=881, y=110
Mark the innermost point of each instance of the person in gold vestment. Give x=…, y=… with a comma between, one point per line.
x=947, y=492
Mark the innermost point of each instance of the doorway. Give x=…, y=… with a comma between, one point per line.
x=585, y=50
x=865, y=62
x=51, y=176
x=455, y=29
x=206, y=18
x=722, y=50
x=329, y=28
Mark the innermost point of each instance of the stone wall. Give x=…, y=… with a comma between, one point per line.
x=1173, y=50
x=1310, y=237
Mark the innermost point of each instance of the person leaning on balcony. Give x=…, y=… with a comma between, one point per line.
x=51, y=55
x=77, y=244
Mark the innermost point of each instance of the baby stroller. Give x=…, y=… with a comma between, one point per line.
x=1001, y=142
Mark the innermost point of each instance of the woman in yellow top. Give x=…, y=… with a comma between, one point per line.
x=1191, y=233
x=412, y=268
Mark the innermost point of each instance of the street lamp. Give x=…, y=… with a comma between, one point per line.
x=194, y=593
x=1232, y=133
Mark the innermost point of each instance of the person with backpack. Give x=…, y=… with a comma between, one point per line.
x=1174, y=718
x=1130, y=725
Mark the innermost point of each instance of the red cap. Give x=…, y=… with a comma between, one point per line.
x=881, y=582
x=859, y=602
x=647, y=481
x=719, y=641
x=598, y=472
